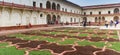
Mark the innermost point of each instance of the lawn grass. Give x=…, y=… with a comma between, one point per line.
x=31, y=38
x=94, y=35
x=3, y=44
x=41, y=38
x=21, y=36
x=83, y=35
x=25, y=37
x=90, y=30
x=69, y=41
x=43, y=32
x=41, y=52
x=114, y=36
x=115, y=46
x=88, y=43
x=102, y=36
x=11, y=51
x=53, y=40
x=53, y=33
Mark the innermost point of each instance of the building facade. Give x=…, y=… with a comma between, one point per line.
x=101, y=13
x=20, y=13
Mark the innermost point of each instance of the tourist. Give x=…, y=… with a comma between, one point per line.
x=106, y=24
x=84, y=23
x=111, y=23
x=116, y=22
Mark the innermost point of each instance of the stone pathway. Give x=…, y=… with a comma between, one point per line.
x=5, y=32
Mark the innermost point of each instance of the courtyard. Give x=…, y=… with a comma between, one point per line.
x=59, y=27
x=61, y=41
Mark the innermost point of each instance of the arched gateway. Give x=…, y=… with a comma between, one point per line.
x=54, y=19
x=48, y=5
x=48, y=19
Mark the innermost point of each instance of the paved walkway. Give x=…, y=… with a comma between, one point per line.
x=5, y=32
x=110, y=28
x=100, y=27
x=82, y=26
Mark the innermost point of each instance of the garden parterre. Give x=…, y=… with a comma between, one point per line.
x=64, y=41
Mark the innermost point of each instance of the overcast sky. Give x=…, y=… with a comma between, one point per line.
x=94, y=2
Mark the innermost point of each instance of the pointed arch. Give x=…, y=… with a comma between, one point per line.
x=99, y=19
x=53, y=6
x=48, y=19
x=58, y=6
x=116, y=10
x=53, y=19
x=103, y=19
x=96, y=19
x=48, y=5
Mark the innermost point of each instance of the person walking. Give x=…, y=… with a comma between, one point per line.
x=106, y=24
x=84, y=23
x=111, y=23
x=116, y=22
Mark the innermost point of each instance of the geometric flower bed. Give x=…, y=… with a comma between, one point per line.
x=61, y=41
